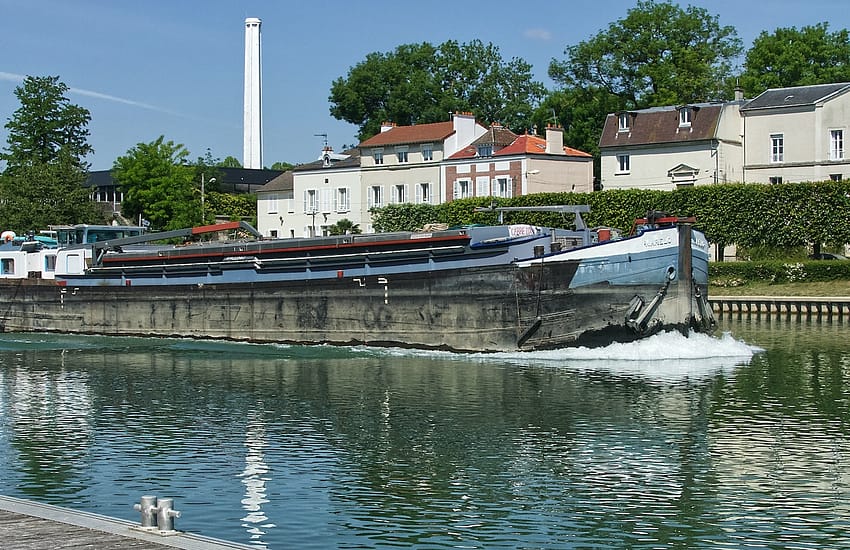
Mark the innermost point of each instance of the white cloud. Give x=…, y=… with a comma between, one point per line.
x=538, y=34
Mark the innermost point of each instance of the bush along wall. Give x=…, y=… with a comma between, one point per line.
x=750, y=215
x=734, y=274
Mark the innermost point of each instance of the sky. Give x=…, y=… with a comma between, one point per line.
x=176, y=68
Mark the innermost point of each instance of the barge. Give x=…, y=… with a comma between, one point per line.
x=470, y=289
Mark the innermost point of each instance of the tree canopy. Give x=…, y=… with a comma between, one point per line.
x=159, y=185
x=42, y=183
x=46, y=127
x=797, y=57
x=659, y=54
x=421, y=83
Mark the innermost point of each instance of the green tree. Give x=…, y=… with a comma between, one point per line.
x=47, y=128
x=230, y=162
x=38, y=195
x=791, y=57
x=659, y=54
x=422, y=83
x=344, y=227
x=159, y=185
x=284, y=166
x=45, y=166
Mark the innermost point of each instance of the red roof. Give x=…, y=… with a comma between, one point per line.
x=522, y=145
x=419, y=133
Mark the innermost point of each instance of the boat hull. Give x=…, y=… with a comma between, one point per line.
x=453, y=297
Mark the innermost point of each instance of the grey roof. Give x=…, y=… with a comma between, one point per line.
x=796, y=96
x=352, y=161
x=281, y=183
x=661, y=125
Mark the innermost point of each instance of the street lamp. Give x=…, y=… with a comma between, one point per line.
x=212, y=180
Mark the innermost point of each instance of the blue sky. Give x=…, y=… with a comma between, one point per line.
x=175, y=68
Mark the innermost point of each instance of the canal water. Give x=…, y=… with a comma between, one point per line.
x=739, y=440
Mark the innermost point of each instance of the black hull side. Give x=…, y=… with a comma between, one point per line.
x=499, y=308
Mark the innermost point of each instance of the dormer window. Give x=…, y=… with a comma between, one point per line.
x=685, y=116
x=624, y=122
x=485, y=150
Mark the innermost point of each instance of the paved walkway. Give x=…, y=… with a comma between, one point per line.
x=26, y=525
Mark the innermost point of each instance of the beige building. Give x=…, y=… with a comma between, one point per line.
x=797, y=134
x=503, y=164
x=668, y=147
x=403, y=164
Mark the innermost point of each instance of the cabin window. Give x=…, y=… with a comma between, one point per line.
x=502, y=187
x=273, y=233
x=624, y=122
x=7, y=266
x=50, y=262
x=623, y=164
x=777, y=147
x=423, y=193
x=427, y=152
x=836, y=145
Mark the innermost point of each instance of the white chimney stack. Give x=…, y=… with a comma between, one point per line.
x=252, y=153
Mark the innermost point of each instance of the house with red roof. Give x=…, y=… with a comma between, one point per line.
x=503, y=164
x=404, y=163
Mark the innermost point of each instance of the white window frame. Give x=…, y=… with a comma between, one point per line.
x=400, y=194
x=272, y=204
x=485, y=150
x=311, y=201
x=462, y=188
x=376, y=196
x=503, y=187
x=401, y=154
x=777, y=148
x=624, y=164
x=378, y=156
x=342, y=199
x=427, y=152
x=623, y=122
x=685, y=116
x=482, y=186
x=423, y=193
x=836, y=144
x=326, y=200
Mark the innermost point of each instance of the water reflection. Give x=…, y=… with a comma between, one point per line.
x=669, y=442
x=254, y=477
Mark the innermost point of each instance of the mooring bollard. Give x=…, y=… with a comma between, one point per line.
x=165, y=514
x=147, y=506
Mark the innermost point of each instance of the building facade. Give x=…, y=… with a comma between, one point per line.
x=668, y=147
x=797, y=134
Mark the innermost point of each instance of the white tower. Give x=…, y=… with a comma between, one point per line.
x=252, y=153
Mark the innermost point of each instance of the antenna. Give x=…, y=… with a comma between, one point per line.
x=325, y=136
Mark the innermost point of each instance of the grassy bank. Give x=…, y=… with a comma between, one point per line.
x=826, y=288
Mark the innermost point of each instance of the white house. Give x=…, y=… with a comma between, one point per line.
x=797, y=134
x=669, y=147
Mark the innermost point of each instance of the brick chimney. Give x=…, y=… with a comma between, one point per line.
x=554, y=140
x=385, y=126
